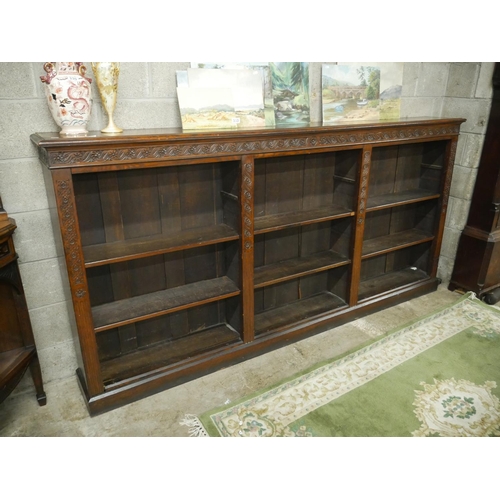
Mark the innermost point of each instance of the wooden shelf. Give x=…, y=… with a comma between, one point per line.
x=159, y=355
x=396, y=199
x=396, y=241
x=109, y=253
x=389, y=281
x=131, y=310
x=275, y=222
x=295, y=268
x=296, y=311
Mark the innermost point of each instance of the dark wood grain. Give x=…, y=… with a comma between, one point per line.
x=159, y=355
x=130, y=310
x=294, y=268
x=289, y=314
x=395, y=199
x=107, y=253
x=395, y=241
x=390, y=281
x=189, y=250
x=18, y=351
x=280, y=221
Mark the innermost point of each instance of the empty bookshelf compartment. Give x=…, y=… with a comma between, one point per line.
x=299, y=251
x=406, y=173
x=133, y=213
x=298, y=300
x=294, y=190
x=399, y=227
x=140, y=348
x=393, y=270
x=127, y=292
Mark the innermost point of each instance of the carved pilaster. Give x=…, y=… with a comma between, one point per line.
x=363, y=192
x=64, y=194
x=247, y=246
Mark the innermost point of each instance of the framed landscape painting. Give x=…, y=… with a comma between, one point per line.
x=361, y=91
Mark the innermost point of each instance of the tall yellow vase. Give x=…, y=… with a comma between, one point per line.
x=106, y=75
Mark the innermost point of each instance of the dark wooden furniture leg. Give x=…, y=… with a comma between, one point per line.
x=17, y=344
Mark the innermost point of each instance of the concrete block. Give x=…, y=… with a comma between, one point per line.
x=459, y=156
x=457, y=213
x=484, y=87
x=148, y=113
x=34, y=238
x=462, y=79
x=414, y=107
x=445, y=269
x=43, y=282
x=18, y=81
x=57, y=361
x=19, y=119
x=473, y=147
x=133, y=82
x=163, y=79
x=315, y=85
x=22, y=185
x=52, y=324
x=463, y=181
x=475, y=111
x=410, y=79
x=450, y=242
x=432, y=79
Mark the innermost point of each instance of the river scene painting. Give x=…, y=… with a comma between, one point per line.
x=350, y=92
x=362, y=91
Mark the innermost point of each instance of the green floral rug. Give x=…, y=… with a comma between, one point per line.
x=438, y=376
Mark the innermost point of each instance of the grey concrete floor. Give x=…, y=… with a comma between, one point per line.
x=66, y=414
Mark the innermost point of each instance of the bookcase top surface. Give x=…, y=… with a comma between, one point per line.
x=96, y=138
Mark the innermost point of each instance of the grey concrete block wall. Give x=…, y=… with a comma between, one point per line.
x=147, y=99
x=468, y=95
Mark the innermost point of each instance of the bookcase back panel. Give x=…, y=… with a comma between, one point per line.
x=302, y=183
x=395, y=269
x=123, y=205
x=422, y=216
x=303, y=242
x=142, y=276
x=333, y=281
x=300, y=299
x=118, y=341
x=409, y=167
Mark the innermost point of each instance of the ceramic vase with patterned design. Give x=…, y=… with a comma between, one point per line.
x=69, y=96
x=106, y=76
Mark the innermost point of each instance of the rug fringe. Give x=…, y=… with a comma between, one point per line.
x=195, y=427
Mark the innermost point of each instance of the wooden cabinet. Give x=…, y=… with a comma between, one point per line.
x=17, y=344
x=190, y=251
x=477, y=264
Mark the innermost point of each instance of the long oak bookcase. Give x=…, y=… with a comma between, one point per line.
x=189, y=251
